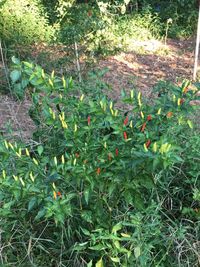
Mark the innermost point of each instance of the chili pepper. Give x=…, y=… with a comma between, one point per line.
x=186, y=89
x=89, y=120
x=149, y=118
x=145, y=148
x=54, y=195
x=159, y=111
x=125, y=136
x=116, y=151
x=126, y=121
x=98, y=171
x=142, y=115
x=143, y=126
x=59, y=194
x=77, y=155
x=89, y=13
x=178, y=101
x=182, y=101
x=148, y=142
x=169, y=114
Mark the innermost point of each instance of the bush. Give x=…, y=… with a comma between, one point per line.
x=24, y=22
x=93, y=187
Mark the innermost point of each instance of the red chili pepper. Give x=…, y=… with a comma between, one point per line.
x=182, y=101
x=148, y=142
x=98, y=171
x=77, y=155
x=143, y=126
x=89, y=120
x=149, y=118
x=59, y=194
x=116, y=151
x=126, y=121
x=109, y=157
x=125, y=136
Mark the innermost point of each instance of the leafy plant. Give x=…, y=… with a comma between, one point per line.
x=92, y=188
x=24, y=22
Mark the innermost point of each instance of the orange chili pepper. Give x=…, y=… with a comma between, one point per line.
x=169, y=114
x=54, y=195
x=148, y=142
x=98, y=171
x=186, y=89
x=109, y=157
x=143, y=126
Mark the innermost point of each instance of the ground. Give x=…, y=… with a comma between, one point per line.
x=141, y=66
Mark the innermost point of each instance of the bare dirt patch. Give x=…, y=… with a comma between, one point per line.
x=14, y=118
x=141, y=67
x=132, y=69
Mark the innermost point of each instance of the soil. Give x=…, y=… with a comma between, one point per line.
x=129, y=70
x=141, y=67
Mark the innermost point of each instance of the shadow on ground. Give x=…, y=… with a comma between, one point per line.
x=142, y=71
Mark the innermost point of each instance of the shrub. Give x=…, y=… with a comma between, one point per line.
x=93, y=186
x=24, y=22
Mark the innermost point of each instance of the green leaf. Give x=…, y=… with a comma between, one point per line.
x=80, y=247
x=86, y=195
x=87, y=216
x=89, y=264
x=15, y=60
x=116, y=228
x=15, y=75
x=98, y=247
x=117, y=244
x=99, y=263
x=24, y=83
x=18, y=90
x=138, y=201
x=116, y=259
x=189, y=122
x=40, y=214
x=137, y=252
x=27, y=64
x=147, y=182
x=32, y=203
x=85, y=231
x=40, y=150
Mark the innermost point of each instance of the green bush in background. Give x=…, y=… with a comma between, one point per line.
x=101, y=27
x=24, y=22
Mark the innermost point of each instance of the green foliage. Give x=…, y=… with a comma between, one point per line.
x=93, y=187
x=184, y=14
x=23, y=22
x=101, y=32
x=140, y=26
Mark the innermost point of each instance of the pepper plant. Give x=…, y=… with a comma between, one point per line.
x=92, y=173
